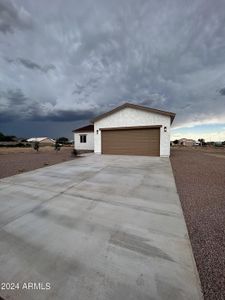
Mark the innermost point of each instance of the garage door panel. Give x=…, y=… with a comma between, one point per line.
x=131, y=142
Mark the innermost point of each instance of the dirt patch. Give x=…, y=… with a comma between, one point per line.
x=208, y=149
x=16, y=161
x=200, y=180
x=216, y=155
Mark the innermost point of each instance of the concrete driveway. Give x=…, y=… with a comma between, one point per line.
x=98, y=227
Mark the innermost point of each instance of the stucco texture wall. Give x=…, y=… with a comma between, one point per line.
x=89, y=145
x=134, y=117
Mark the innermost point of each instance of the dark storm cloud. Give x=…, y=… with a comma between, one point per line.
x=15, y=104
x=80, y=58
x=222, y=92
x=14, y=97
x=64, y=116
x=18, y=106
x=6, y=117
x=31, y=65
x=11, y=17
x=56, y=116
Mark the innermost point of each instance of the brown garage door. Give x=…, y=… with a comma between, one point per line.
x=144, y=141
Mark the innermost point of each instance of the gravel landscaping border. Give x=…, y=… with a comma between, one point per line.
x=200, y=180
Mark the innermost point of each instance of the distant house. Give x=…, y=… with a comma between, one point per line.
x=84, y=138
x=186, y=142
x=43, y=141
x=197, y=144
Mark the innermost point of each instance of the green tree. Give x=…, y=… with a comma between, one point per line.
x=62, y=140
x=10, y=138
x=202, y=142
x=2, y=136
x=7, y=138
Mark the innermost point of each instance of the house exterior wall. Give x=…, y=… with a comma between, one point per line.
x=42, y=142
x=186, y=142
x=47, y=141
x=89, y=145
x=134, y=117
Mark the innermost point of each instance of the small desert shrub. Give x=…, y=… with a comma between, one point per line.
x=57, y=146
x=74, y=152
x=36, y=146
x=20, y=145
x=27, y=145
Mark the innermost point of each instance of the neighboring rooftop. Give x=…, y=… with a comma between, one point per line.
x=87, y=128
x=39, y=139
x=186, y=140
x=135, y=106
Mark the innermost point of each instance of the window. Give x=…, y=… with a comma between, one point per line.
x=83, y=138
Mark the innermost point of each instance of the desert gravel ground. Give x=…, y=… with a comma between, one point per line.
x=18, y=160
x=200, y=180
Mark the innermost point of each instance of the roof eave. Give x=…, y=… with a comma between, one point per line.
x=135, y=106
x=87, y=128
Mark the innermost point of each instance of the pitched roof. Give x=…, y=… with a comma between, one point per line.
x=39, y=139
x=135, y=106
x=186, y=140
x=87, y=128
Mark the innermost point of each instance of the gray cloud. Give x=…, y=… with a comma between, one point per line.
x=165, y=54
x=12, y=17
x=14, y=104
x=6, y=117
x=19, y=106
x=222, y=92
x=14, y=97
x=31, y=65
x=65, y=116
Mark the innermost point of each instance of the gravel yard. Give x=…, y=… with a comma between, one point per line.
x=18, y=160
x=200, y=179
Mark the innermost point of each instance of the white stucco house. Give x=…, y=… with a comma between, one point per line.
x=42, y=140
x=84, y=138
x=128, y=129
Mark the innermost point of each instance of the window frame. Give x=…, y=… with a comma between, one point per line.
x=83, y=136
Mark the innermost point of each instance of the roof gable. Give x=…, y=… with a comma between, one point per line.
x=135, y=106
x=38, y=139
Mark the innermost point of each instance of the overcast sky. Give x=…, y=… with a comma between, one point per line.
x=63, y=62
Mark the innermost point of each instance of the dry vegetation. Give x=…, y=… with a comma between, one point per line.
x=16, y=150
x=18, y=160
